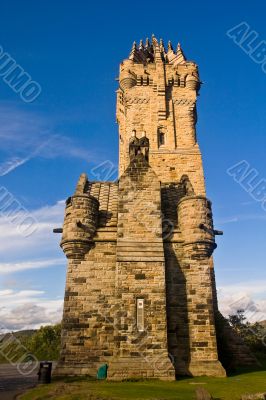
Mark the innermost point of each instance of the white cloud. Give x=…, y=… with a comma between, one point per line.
x=248, y=296
x=250, y=288
x=241, y=217
x=28, y=309
x=17, y=296
x=5, y=292
x=20, y=248
x=7, y=268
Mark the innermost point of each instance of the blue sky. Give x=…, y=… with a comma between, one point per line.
x=73, y=50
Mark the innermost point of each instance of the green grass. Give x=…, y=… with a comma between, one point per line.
x=230, y=388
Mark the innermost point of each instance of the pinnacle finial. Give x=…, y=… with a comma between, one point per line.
x=147, y=43
x=141, y=47
x=134, y=51
x=180, y=57
x=154, y=40
x=170, y=47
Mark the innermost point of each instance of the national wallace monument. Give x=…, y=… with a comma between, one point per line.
x=140, y=291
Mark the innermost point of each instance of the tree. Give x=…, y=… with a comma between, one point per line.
x=254, y=335
x=45, y=343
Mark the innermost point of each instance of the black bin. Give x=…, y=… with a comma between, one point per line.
x=45, y=372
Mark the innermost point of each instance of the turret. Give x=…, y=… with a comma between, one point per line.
x=196, y=226
x=127, y=78
x=80, y=223
x=192, y=81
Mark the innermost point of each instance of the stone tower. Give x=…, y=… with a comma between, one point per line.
x=140, y=291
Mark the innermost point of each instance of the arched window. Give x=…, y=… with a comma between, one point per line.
x=161, y=138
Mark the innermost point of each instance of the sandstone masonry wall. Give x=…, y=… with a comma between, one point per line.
x=140, y=291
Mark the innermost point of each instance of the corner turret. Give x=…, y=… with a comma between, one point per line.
x=80, y=223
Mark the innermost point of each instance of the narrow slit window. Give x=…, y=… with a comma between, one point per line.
x=161, y=138
x=140, y=315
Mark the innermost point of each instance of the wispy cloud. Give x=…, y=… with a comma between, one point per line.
x=26, y=134
x=241, y=217
x=249, y=287
x=11, y=164
x=9, y=268
x=247, y=203
x=17, y=249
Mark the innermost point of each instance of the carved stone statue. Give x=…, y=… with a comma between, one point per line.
x=137, y=146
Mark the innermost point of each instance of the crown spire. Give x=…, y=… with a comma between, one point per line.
x=134, y=52
x=154, y=40
x=170, y=47
x=155, y=50
x=134, y=47
x=162, y=49
x=180, y=57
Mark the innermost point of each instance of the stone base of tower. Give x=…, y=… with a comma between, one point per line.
x=207, y=368
x=139, y=368
x=76, y=370
x=122, y=368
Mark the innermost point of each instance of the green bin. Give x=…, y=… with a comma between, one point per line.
x=102, y=372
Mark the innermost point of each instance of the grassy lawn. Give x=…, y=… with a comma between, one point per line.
x=230, y=388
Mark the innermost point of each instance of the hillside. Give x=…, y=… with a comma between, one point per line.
x=44, y=343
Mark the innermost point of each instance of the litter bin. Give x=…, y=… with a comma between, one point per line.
x=45, y=372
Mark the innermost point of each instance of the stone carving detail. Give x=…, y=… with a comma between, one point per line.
x=139, y=146
x=137, y=100
x=187, y=188
x=183, y=102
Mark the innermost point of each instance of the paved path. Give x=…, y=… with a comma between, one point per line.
x=12, y=382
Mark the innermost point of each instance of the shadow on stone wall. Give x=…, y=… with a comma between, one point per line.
x=177, y=313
